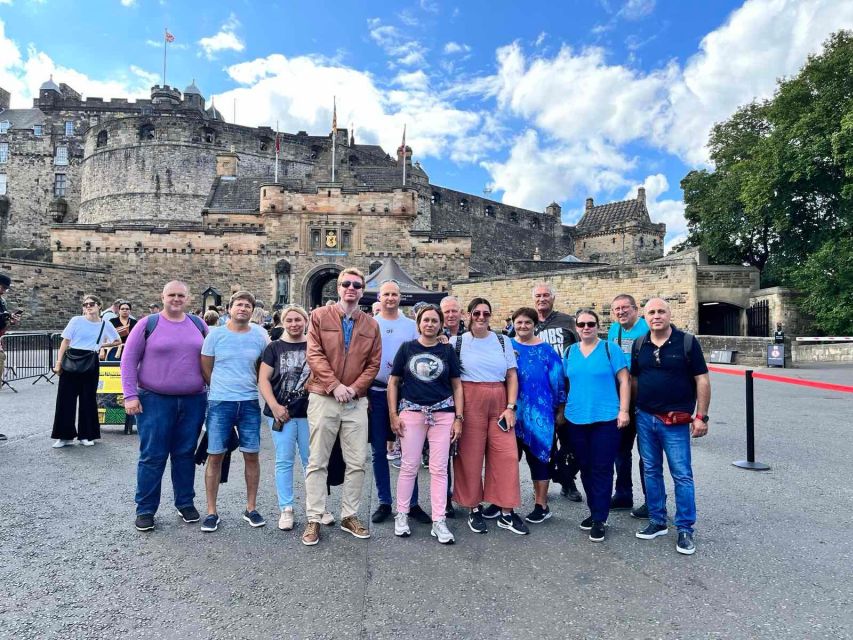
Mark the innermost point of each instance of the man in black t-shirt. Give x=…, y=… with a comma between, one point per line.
x=558, y=329
x=669, y=379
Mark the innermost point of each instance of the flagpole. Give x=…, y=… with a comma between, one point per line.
x=276, y=151
x=165, y=43
x=334, y=133
x=404, y=155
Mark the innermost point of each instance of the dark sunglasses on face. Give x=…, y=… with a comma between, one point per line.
x=89, y=303
x=346, y=284
x=590, y=324
x=481, y=314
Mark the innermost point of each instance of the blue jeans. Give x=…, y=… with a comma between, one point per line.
x=595, y=446
x=379, y=433
x=168, y=427
x=656, y=438
x=293, y=433
x=222, y=415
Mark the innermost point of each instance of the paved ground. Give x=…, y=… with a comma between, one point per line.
x=773, y=559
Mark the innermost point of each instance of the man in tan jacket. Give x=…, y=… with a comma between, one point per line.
x=344, y=354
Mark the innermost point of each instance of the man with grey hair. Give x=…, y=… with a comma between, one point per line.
x=558, y=329
x=452, y=310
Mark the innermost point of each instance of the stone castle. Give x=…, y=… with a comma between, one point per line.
x=166, y=187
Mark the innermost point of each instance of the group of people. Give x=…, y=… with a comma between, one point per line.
x=477, y=401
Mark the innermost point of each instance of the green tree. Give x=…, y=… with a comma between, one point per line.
x=826, y=278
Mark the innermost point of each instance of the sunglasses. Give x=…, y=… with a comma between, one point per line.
x=584, y=325
x=89, y=303
x=346, y=284
x=481, y=314
x=657, y=357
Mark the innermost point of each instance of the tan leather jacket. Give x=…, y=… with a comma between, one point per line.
x=330, y=364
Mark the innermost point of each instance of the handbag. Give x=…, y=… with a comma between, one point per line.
x=81, y=360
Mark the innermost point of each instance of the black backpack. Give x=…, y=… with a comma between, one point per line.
x=688, y=348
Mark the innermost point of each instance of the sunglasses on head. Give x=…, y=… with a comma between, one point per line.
x=590, y=324
x=481, y=314
x=346, y=284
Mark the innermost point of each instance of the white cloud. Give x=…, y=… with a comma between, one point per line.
x=5, y=1
x=540, y=39
x=125, y=3
x=456, y=47
x=636, y=9
x=397, y=45
x=298, y=93
x=224, y=40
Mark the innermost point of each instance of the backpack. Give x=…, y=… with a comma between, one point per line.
x=500, y=336
x=152, y=320
x=688, y=348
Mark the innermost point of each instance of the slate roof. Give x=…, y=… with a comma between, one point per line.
x=22, y=118
x=612, y=214
x=235, y=194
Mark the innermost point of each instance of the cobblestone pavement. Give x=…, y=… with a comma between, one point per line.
x=773, y=558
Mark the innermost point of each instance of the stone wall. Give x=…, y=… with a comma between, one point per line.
x=751, y=352
x=594, y=287
x=50, y=294
x=804, y=352
x=784, y=309
x=627, y=244
x=727, y=283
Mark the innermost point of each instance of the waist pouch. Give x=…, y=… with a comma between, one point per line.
x=675, y=417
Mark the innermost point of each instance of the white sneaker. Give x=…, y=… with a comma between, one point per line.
x=327, y=519
x=63, y=443
x=440, y=531
x=87, y=443
x=401, y=525
x=285, y=522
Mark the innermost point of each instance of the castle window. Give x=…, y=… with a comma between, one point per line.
x=282, y=274
x=69, y=128
x=4, y=126
x=264, y=144
x=103, y=136
x=513, y=217
x=38, y=129
x=353, y=160
x=490, y=211
x=346, y=240
x=61, y=155
x=655, y=242
x=374, y=266
x=436, y=197
x=535, y=224
x=613, y=241
x=3, y=180
x=209, y=135
x=59, y=184
x=315, y=239
x=642, y=241
x=4, y=152
x=463, y=204
x=146, y=132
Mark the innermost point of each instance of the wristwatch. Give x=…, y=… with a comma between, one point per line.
x=460, y=417
x=703, y=418
x=511, y=405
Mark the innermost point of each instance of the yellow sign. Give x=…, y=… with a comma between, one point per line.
x=109, y=396
x=110, y=379
x=331, y=239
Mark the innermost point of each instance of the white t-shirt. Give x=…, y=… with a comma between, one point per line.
x=483, y=360
x=83, y=334
x=394, y=333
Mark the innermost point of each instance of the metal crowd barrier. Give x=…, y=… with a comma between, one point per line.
x=29, y=356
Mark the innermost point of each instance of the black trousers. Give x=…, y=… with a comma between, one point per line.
x=624, y=484
x=77, y=388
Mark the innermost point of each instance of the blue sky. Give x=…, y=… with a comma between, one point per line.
x=534, y=101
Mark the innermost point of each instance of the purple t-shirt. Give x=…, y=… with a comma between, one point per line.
x=169, y=362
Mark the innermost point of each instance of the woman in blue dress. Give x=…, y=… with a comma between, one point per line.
x=541, y=392
x=596, y=408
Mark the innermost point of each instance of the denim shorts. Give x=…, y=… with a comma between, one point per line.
x=222, y=415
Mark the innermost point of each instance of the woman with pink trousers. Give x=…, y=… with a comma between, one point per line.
x=425, y=403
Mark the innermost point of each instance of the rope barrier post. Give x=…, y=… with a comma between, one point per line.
x=750, y=462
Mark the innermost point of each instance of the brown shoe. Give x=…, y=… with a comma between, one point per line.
x=353, y=526
x=312, y=534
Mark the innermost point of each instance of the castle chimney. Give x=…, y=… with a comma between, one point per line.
x=589, y=204
x=226, y=164
x=641, y=195
x=4, y=99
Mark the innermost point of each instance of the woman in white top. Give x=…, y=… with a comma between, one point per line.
x=83, y=336
x=490, y=388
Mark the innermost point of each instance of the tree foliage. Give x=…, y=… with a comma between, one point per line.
x=781, y=193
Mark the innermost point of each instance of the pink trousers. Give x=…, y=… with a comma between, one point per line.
x=411, y=445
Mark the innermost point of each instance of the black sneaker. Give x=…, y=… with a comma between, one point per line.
x=449, y=511
x=539, y=514
x=211, y=523
x=571, y=492
x=476, y=522
x=145, y=522
x=513, y=522
x=685, y=543
x=382, y=513
x=420, y=515
x=621, y=504
x=254, y=518
x=3, y=437
x=586, y=524
x=641, y=512
x=652, y=531
x=597, y=532
x=189, y=514
x=490, y=512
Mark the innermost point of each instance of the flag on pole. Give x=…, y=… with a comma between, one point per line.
x=169, y=36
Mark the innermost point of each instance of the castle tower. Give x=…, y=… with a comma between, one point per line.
x=165, y=95
x=193, y=97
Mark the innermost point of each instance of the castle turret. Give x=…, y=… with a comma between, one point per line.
x=193, y=97
x=165, y=95
x=49, y=92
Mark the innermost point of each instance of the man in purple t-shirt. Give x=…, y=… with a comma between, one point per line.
x=164, y=388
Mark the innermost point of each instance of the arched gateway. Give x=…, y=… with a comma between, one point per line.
x=320, y=285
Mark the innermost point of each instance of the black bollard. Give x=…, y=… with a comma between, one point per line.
x=750, y=462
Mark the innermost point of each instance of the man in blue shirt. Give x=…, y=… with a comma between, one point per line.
x=229, y=364
x=628, y=327
x=668, y=382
